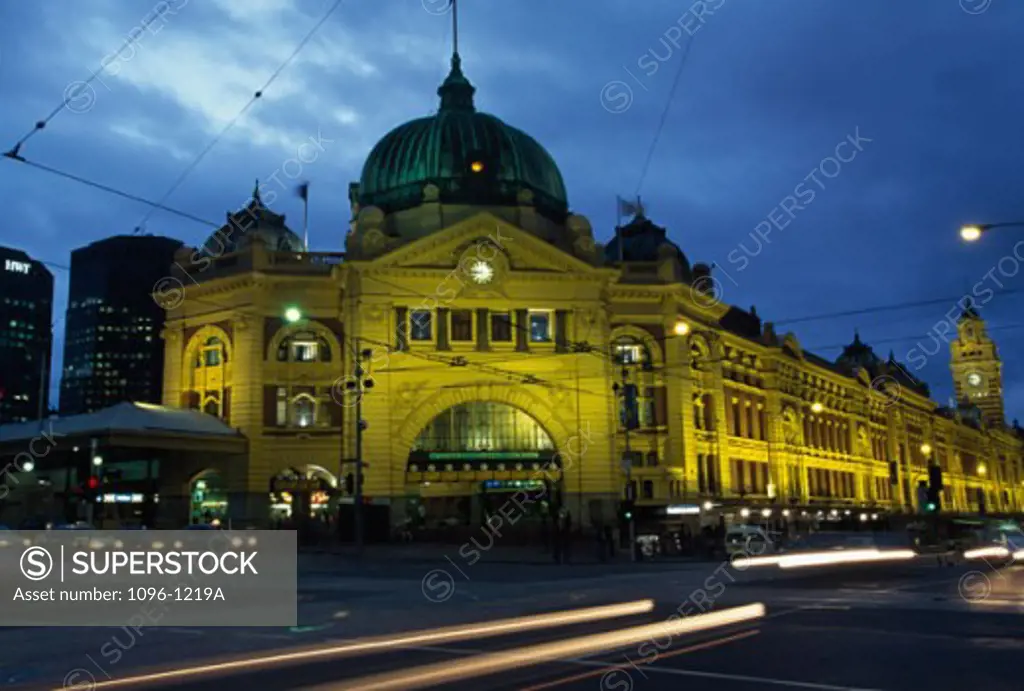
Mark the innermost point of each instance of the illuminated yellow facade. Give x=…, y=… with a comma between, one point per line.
x=500, y=342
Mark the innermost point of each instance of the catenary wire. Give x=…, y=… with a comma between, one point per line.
x=231, y=123
x=664, y=116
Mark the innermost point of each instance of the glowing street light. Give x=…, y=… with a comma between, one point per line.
x=292, y=314
x=681, y=328
x=817, y=407
x=926, y=449
x=97, y=461
x=982, y=469
x=972, y=232
x=28, y=467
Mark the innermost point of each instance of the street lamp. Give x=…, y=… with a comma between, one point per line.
x=972, y=232
x=681, y=328
x=926, y=449
x=817, y=407
x=982, y=469
x=28, y=467
x=97, y=461
x=292, y=314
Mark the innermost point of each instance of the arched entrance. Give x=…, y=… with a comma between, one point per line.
x=477, y=458
x=301, y=493
x=208, y=498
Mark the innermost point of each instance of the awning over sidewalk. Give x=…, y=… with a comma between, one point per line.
x=143, y=423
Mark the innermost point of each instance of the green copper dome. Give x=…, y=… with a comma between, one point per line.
x=472, y=158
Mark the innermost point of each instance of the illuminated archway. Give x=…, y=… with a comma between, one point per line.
x=478, y=453
x=301, y=492
x=208, y=498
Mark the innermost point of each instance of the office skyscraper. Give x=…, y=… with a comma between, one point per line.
x=26, y=311
x=112, y=346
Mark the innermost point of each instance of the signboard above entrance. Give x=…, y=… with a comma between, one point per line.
x=484, y=455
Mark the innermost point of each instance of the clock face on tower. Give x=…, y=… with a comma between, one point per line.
x=974, y=379
x=481, y=272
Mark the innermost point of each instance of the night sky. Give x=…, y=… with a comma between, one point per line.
x=929, y=89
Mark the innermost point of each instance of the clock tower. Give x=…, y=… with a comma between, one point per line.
x=977, y=371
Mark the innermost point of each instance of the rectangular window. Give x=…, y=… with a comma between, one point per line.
x=501, y=327
x=304, y=351
x=420, y=325
x=540, y=326
x=462, y=325
x=282, y=406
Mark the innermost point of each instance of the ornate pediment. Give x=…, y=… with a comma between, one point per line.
x=483, y=246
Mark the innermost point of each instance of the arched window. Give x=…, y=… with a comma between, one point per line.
x=483, y=426
x=304, y=346
x=211, y=353
x=698, y=356
x=212, y=407
x=636, y=399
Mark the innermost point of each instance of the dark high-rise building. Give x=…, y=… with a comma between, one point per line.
x=112, y=346
x=26, y=312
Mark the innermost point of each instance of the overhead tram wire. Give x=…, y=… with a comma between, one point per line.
x=919, y=337
x=682, y=374
x=231, y=123
x=430, y=357
x=887, y=308
x=112, y=190
x=41, y=124
x=664, y=117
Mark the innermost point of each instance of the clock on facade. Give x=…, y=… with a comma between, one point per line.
x=481, y=272
x=974, y=379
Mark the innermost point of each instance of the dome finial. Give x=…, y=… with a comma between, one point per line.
x=455, y=28
x=456, y=93
x=256, y=192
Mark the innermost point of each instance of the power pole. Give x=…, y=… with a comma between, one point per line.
x=628, y=402
x=359, y=386
x=357, y=506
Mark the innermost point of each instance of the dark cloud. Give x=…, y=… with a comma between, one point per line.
x=767, y=91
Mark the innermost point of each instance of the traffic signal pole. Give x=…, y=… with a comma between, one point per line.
x=630, y=494
x=357, y=506
x=627, y=460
